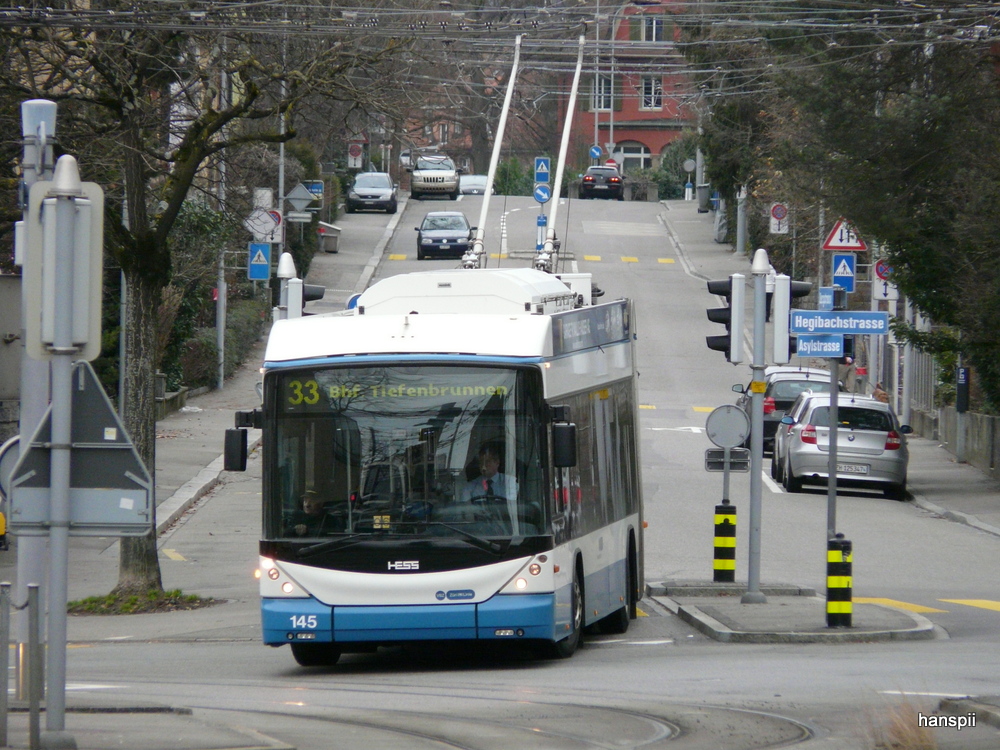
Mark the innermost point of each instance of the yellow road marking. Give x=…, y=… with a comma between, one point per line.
x=981, y=603
x=703, y=408
x=629, y=259
x=640, y=613
x=664, y=260
x=896, y=604
x=498, y=255
x=592, y=257
x=174, y=555
x=647, y=406
x=395, y=256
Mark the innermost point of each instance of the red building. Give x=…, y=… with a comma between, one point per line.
x=634, y=93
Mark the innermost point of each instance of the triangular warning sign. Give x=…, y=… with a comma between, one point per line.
x=844, y=269
x=843, y=237
x=542, y=167
x=259, y=259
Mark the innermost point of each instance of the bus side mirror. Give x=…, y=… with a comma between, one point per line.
x=564, y=445
x=235, y=456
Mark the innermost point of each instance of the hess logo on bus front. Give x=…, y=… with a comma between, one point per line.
x=404, y=565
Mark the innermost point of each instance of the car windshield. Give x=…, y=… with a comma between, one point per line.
x=473, y=181
x=372, y=180
x=603, y=171
x=445, y=222
x=444, y=165
x=853, y=417
x=788, y=390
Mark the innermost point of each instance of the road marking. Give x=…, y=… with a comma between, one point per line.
x=771, y=484
x=665, y=260
x=647, y=406
x=705, y=409
x=629, y=259
x=695, y=430
x=896, y=604
x=596, y=258
x=394, y=256
x=174, y=555
x=925, y=695
x=981, y=603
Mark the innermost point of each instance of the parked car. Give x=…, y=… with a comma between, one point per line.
x=474, y=184
x=444, y=233
x=871, y=445
x=784, y=384
x=434, y=174
x=371, y=191
x=603, y=182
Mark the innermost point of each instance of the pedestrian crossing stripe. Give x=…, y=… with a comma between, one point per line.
x=844, y=269
x=981, y=603
x=259, y=259
x=895, y=604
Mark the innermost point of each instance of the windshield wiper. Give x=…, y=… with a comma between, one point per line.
x=330, y=544
x=478, y=541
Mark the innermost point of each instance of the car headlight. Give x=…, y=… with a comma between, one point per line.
x=426, y=241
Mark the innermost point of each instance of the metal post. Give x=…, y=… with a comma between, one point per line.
x=760, y=268
x=38, y=118
x=4, y=658
x=66, y=188
x=35, y=659
x=831, y=466
x=594, y=94
x=741, y=222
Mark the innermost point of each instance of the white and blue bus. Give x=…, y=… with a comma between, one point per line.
x=381, y=419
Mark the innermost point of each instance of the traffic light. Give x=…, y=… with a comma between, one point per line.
x=734, y=290
x=785, y=290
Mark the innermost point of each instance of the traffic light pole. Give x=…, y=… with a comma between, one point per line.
x=760, y=269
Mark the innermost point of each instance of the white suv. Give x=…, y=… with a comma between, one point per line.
x=434, y=174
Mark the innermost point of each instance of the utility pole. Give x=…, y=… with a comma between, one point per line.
x=38, y=129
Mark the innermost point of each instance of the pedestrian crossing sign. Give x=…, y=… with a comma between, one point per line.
x=259, y=265
x=844, y=265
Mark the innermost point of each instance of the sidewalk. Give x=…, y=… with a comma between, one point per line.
x=189, y=444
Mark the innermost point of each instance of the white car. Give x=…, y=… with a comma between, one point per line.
x=871, y=445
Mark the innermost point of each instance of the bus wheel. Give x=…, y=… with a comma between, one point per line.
x=618, y=621
x=315, y=654
x=567, y=646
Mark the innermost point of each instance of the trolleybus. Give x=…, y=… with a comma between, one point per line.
x=388, y=421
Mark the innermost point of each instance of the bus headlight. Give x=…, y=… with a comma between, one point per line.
x=521, y=583
x=534, y=569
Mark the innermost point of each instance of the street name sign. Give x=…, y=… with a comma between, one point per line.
x=838, y=321
x=820, y=345
x=110, y=492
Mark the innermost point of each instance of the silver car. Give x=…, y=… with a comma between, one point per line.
x=871, y=445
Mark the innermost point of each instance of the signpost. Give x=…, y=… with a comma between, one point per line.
x=843, y=237
x=779, y=218
x=844, y=267
x=259, y=262
x=838, y=321
x=882, y=287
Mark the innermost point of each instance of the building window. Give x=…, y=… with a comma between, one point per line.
x=443, y=132
x=652, y=29
x=601, y=95
x=634, y=156
x=652, y=92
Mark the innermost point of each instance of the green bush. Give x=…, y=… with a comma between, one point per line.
x=246, y=321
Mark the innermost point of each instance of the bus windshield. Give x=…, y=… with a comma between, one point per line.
x=381, y=450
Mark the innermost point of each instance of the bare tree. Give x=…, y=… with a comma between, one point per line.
x=151, y=96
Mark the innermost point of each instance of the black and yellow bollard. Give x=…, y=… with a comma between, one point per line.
x=839, y=583
x=725, y=543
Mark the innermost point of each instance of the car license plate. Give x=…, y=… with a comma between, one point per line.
x=852, y=468
x=601, y=187
x=368, y=203
x=445, y=246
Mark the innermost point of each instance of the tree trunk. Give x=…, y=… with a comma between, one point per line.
x=139, y=567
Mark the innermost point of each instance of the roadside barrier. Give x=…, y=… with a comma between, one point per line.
x=839, y=582
x=724, y=564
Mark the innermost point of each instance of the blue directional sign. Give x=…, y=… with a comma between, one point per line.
x=820, y=345
x=838, y=321
x=844, y=265
x=825, y=298
x=542, y=169
x=595, y=152
x=542, y=193
x=259, y=263
x=542, y=220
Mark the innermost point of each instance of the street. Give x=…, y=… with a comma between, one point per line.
x=661, y=684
